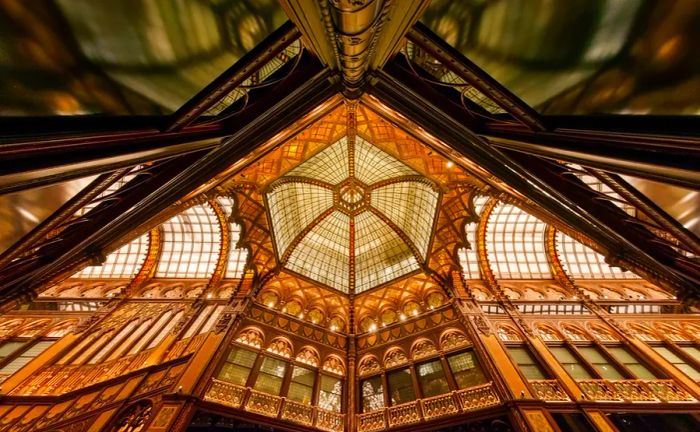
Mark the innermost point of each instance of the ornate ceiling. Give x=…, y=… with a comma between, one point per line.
x=352, y=217
x=354, y=148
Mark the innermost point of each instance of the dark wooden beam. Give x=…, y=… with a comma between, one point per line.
x=234, y=76
x=538, y=181
x=275, y=108
x=58, y=166
x=669, y=159
x=452, y=59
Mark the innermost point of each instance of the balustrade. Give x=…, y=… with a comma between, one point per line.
x=404, y=414
x=372, y=421
x=549, y=390
x=478, y=397
x=634, y=391
x=263, y=403
x=438, y=406
x=298, y=413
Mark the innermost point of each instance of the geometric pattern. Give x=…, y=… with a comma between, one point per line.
x=352, y=217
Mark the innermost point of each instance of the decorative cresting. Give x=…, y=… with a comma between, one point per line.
x=352, y=217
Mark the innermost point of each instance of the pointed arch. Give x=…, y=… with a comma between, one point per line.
x=309, y=355
x=368, y=365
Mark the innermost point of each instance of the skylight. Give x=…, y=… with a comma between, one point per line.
x=352, y=217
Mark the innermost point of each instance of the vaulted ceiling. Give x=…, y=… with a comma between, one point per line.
x=348, y=134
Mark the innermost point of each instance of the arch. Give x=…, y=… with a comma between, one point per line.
x=691, y=329
x=309, y=355
x=509, y=232
x=134, y=417
x=602, y=333
x=191, y=244
x=10, y=327
x=61, y=328
x=672, y=332
x=166, y=329
x=644, y=332
x=453, y=338
x=251, y=336
x=574, y=333
x=422, y=348
x=548, y=333
x=394, y=356
x=507, y=333
x=368, y=365
x=281, y=346
x=334, y=364
x=32, y=328
x=93, y=291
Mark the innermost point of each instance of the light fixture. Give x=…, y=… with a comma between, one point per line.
x=450, y=164
x=402, y=317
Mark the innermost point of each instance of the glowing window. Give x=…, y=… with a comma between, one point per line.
x=582, y=262
x=191, y=244
x=125, y=262
x=516, y=245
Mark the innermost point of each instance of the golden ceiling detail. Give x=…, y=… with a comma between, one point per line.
x=352, y=216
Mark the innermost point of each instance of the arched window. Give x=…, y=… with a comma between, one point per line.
x=152, y=331
x=107, y=348
x=161, y=335
x=129, y=341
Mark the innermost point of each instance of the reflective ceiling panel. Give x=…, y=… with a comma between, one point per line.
x=21, y=211
x=582, y=56
x=121, y=57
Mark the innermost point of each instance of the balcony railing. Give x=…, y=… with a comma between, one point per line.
x=549, y=390
x=453, y=403
x=235, y=396
x=634, y=391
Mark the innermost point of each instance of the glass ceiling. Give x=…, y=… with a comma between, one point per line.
x=119, y=57
x=352, y=217
x=608, y=56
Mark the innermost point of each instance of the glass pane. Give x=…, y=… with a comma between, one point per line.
x=372, y=394
x=600, y=363
x=570, y=363
x=303, y=376
x=532, y=372
x=432, y=379
x=668, y=354
x=693, y=351
x=273, y=367
x=632, y=363
x=592, y=355
x=8, y=348
x=689, y=370
x=401, y=387
x=268, y=384
x=242, y=357
x=330, y=394
x=527, y=363
x=466, y=370
x=300, y=393
x=234, y=374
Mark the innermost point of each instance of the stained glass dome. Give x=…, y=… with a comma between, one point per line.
x=352, y=217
